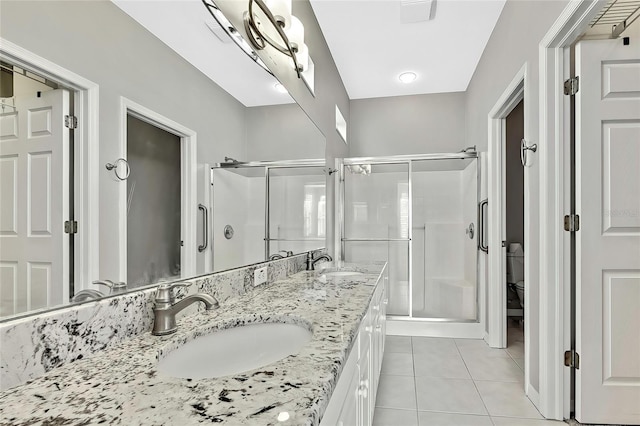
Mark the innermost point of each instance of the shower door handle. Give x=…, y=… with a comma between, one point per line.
x=482, y=245
x=205, y=228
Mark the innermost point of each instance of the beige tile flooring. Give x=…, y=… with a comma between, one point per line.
x=437, y=381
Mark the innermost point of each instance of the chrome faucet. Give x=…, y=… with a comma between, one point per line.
x=114, y=288
x=87, y=294
x=166, y=308
x=311, y=262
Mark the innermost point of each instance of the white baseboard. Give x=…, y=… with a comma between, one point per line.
x=533, y=395
x=408, y=327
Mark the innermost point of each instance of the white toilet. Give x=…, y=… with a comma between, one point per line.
x=515, y=269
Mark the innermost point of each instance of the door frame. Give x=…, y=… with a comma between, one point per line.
x=188, y=185
x=496, y=336
x=555, y=190
x=86, y=151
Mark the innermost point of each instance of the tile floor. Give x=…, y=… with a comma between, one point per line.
x=437, y=381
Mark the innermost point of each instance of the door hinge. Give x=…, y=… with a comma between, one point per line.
x=572, y=223
x=572, y=359
x=71, y=121
x=71, y=227
x=571, y=86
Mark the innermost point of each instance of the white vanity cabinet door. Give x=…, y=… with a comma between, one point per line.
x=353, y=400
x=377, y=340
x=345, y=394
x=350, y=415
x=366, y=401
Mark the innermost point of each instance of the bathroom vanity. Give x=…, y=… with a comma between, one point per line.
x=331, y=380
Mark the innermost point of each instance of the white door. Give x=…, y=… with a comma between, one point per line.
x=608, y=242
x=34, y=203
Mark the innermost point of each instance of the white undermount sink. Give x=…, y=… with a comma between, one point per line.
x=341, y=273
x=234, y=350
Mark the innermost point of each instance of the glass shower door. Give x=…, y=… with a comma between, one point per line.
x=377, y=224
x=444, y=249
x=297, y=209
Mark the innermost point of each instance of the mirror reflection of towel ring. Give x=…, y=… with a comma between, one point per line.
x=114, y=166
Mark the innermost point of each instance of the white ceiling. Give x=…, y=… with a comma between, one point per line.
x=371, y=46
x=181, y=25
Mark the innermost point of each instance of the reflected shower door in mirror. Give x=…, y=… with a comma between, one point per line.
x=297, y=210
x=192, y=77
x=275, y=208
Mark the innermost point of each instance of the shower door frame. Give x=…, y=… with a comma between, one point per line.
x=268, y=166
x=408, y=159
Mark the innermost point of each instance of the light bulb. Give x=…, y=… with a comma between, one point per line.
x=295, y=33
x=407, y=77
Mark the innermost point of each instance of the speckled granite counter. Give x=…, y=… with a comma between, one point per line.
x=121, y=386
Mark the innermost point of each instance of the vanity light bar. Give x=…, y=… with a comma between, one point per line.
x=233, y=33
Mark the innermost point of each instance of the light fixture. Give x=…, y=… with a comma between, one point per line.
x=280, y=88
x=233, y=33
x=284, y=26
x=266, y=23
x=407, y=77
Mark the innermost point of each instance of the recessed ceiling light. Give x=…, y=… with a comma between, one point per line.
x=407, y=77
x=280, y=88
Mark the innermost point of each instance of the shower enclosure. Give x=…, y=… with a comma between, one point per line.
x=263, y=209
x=419, y=214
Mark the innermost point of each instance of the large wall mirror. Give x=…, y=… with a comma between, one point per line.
x=187, y=156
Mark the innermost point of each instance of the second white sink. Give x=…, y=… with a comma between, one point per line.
x=235, y=350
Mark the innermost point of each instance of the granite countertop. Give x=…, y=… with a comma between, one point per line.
x=121, y=386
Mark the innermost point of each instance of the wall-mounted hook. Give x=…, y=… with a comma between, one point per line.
x=114, y=166
x=332, y=171
x=523, y=151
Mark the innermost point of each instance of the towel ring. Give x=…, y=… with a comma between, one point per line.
x=114, y=166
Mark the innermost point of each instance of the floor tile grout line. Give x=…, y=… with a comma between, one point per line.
x=417, y=411
x=415, y=383
x=473, y=381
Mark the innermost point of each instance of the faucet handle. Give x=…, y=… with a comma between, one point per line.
x=114, y=288
x=164, y=292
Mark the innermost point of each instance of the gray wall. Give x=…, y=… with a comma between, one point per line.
x=98, y=41
x=282, y=132
x=514, y=43
x=408, y=124
x=515, y=176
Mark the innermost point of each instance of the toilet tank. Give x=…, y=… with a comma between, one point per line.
x=515, y=267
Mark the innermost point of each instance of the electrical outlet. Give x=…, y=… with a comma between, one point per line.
x=260, y=276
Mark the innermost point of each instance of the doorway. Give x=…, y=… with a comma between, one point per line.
x=514, y=224
x=153, y=203
x=157, y=195
x=36, y=196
